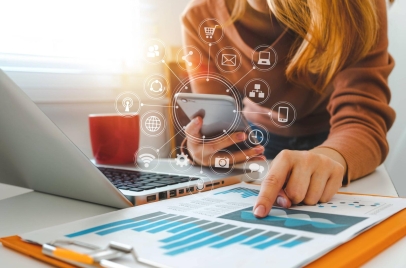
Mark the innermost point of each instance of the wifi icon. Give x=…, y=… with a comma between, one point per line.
x=146, y=159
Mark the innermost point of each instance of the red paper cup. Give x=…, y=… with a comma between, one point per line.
x=114, y=138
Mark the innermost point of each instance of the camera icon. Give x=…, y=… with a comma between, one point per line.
x=222, y=162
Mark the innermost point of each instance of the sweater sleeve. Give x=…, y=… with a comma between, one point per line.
x=360, y=114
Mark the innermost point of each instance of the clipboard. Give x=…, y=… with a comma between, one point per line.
x=357, y=251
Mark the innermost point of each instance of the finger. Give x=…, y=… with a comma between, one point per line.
x=317, y=184
x=272, y=184
x=192, y=130
x=333, y=184
x=283, y=200
x=299, y=179
x=214, y=146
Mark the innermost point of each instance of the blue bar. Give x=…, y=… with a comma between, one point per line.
x=152, y=225
x=291, y=244
x=230, y=241
x=181, y=235
x=296, y=242
x=194, y=246
x=165, y=227
x=182, y=228
x=187, y=240
x=268, y=244
x=257, y=239
x=98, y=228
x=245, y=192
x=123, y=227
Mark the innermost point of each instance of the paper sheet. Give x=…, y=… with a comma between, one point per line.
x=217, y=229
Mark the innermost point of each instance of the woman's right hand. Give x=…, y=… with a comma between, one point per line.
x=202, y=152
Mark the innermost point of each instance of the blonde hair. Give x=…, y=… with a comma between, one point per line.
x=332, y=34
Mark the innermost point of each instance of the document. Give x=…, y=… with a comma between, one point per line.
x=218, y=229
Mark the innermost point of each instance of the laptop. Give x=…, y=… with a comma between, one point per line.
x=35, y=154
x=264, y=58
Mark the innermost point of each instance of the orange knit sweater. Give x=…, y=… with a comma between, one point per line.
x=354, y=107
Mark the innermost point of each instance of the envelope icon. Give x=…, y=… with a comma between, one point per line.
x=228, y=59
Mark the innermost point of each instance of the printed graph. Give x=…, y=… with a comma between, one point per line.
x=315, y=222
x=184, y=233
x=245, y=192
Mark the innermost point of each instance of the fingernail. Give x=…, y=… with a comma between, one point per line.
x=196, y=121
x=281, y=201
x=241, y=136
x=259, y=149
x=260, y=211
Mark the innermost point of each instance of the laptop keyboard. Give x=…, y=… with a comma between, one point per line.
x=138, y=181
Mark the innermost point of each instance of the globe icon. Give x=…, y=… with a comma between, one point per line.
x=153, y=123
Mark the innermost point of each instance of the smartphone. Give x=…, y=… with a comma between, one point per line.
x=219, y=113
x=283, y=114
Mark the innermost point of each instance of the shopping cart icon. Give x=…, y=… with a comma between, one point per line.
x=210, y=31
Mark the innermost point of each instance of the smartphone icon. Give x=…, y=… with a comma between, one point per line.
x=283, y=114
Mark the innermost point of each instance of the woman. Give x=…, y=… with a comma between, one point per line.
x=332, y=67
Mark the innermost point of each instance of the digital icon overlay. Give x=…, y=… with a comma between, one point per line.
x=256, y=169
x=264, y=58
x=199, y=183
x=155, y=86
x=228, y=59
x=222, y=162
x=189, y=58
x=153, y=51
x=180, y=161
x=256, y=135
x=210, y=31
x=283, y=114
x=146, y=158
x=127, y=104
x=257, y=90
x=153, y=123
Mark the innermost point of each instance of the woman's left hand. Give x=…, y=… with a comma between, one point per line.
x=301, y=176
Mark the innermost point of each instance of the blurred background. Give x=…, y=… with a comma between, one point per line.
x=74, y=57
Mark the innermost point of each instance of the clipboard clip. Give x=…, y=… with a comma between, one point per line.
x=96, y=257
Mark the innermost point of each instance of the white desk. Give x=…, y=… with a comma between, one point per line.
x=22, y=210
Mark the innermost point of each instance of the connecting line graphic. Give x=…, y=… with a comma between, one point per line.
x=253, y=68
x=143, y=104
x=236, y=144
x=208, y=65
x=163, y=61
x=201, y=164
x=269, y=113
x=157, y=150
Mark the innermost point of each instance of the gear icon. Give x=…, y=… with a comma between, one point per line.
x=182, y=160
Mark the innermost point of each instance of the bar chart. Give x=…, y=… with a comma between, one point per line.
x=245, y=192
x=183, y=234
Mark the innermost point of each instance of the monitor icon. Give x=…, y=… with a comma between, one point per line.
x=264, y=58
x=283, y=114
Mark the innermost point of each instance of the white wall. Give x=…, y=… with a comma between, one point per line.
x=396, y=162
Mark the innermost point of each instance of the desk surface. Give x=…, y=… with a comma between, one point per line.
x=27, y=211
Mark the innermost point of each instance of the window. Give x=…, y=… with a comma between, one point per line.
x=44, y=41
x=88, y=30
